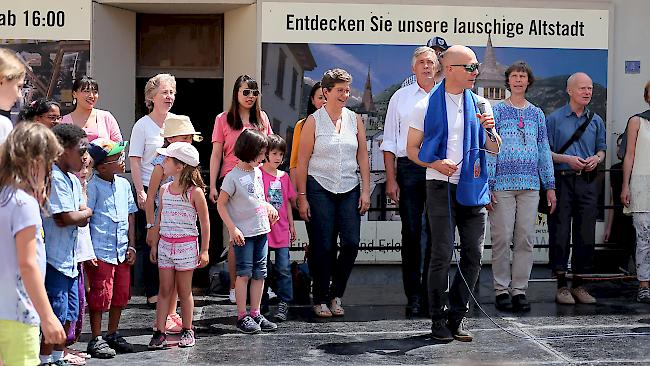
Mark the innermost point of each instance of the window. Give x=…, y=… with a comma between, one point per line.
x=279, y=81
x=494, y=93
x=294, y=84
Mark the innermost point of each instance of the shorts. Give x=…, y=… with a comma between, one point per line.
x=63, y=293
x=251, y=257
x=110, y=285
x=19, y=343
x=179, y=254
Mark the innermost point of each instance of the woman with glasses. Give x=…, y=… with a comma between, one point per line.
x=244, y=113
x=515, y=176
x=96, y=122
x=44, y=111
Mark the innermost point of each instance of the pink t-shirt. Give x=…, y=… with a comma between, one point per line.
x=107, y=126
x=227, y=136
x=278, y=191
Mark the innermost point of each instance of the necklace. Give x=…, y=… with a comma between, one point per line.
x=244, y=170
x=458, y=104
x=520, y=112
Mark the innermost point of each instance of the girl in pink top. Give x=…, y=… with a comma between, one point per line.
x=96, y=122
x=244, y=112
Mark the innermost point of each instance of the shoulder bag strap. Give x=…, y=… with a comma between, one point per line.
x=576, y=135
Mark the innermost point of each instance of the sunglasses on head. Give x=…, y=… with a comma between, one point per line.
x=469, y=67
x=248, y=92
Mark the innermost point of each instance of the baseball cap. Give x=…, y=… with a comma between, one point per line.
x=438, y=42
x=179, y=125
x=101, y=148
x=183, y=151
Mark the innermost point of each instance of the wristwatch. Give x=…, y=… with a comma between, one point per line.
x=149, y=226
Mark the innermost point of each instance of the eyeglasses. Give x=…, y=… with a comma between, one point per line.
x=54, y=118
x=120, y=160
x=83, y=149
x=248, y=92
x=469, y=67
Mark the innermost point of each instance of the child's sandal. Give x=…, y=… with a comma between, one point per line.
x=335, y=307
x=322, y=311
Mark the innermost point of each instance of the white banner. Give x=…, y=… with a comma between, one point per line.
x=414, y=24
x=45, y=20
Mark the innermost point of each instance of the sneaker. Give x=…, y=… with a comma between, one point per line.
x=282, y=313
x=60, y=362
x=98, y=348
x=272, y=295
x=265, y=324
x=520, y=303
x=248, y=325
x=231, y=296
x=582, y=296
x=457, y=329
x=440, y=332
x=118, y=343
x=172, y=326
x=187, y=338
x=336, y=308
x=643, y=295
x=158, y=340
x=502, y=302
x=563, y=296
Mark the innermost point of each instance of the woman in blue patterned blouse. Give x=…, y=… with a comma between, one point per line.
x=516, y=174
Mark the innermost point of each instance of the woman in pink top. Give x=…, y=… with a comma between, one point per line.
x=96, y=122
x=244, y=112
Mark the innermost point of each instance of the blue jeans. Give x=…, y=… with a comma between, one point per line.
x=63, y=293
x=282, y=274
x=251, y=257
x=331, y=215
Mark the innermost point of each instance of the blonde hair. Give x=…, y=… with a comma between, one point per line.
x=190, y=177
x=29, y=149
x=151, y=88
x=11, y=67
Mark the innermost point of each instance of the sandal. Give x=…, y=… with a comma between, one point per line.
x=336, y=308
x=75, y=352
x=73, y=359
x=322, y=311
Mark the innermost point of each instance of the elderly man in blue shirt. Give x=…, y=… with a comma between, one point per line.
x=575, y=170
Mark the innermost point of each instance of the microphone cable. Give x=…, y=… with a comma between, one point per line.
x=452, y=237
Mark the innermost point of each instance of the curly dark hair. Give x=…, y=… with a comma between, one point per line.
x=69, y=134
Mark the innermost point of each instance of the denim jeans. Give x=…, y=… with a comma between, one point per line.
x=411, y=179
x=575, y=216
x=251, y=257
x=470, y=221
x=332, y=214
x=281, y=272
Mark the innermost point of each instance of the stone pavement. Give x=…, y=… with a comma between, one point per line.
x=375, y=331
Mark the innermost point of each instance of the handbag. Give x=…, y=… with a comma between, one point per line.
x=543, y=206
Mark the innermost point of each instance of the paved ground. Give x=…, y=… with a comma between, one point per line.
x=375, y=331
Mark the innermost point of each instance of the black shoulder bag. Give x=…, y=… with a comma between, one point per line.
x=543, y=206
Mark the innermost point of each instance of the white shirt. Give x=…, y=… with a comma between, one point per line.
x=455, y=130
x=145, y=139
x=396, y=126
x=5, y=128
x=333, y=162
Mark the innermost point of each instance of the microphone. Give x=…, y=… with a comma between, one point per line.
x=490, y=131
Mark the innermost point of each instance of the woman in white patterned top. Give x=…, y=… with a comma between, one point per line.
x=332, y=148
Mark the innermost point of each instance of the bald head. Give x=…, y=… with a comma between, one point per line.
x=458, y=54
x=457, y=77
x=579, y=87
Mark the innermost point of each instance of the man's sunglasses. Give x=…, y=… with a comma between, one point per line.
x=469, y=67
x=248, y=92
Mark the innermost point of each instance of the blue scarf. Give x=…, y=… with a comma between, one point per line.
x=472, y=187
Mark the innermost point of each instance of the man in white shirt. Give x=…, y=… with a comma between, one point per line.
x=405, y=180
x=439, y=46
x=449, y=134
